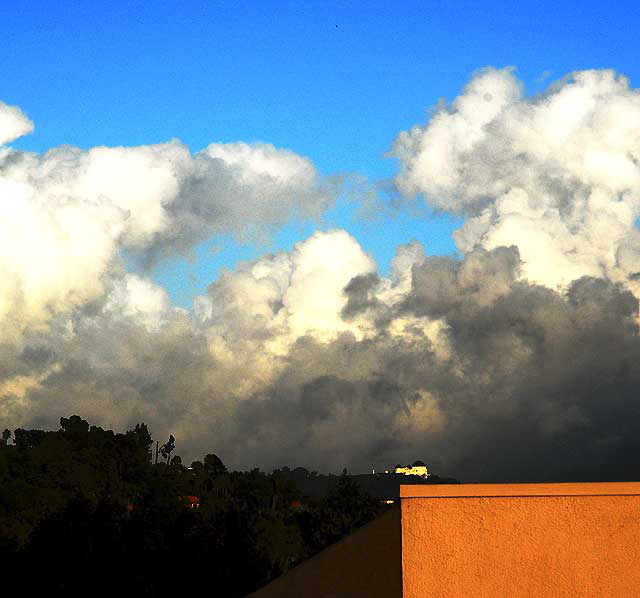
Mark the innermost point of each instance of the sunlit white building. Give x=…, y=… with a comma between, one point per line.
x=418, y=468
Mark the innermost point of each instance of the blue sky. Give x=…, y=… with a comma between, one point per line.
x=332, y=81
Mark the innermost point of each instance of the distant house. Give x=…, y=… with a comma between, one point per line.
x=191, y=502
x=418, y=468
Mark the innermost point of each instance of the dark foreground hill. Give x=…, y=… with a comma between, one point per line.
x=86, y=511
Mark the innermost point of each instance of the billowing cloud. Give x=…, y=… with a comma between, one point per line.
x=66, y=215
x=555, y=174
x=516, y=361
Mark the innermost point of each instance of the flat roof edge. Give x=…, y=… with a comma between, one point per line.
x=507, y=490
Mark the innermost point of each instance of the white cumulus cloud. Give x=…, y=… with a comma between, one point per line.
x=66, y=215
x=556, y=174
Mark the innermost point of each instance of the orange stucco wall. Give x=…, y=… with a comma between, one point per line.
x=366, y=563
x=517, y=540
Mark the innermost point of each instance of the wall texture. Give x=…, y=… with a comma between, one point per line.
x=366, y=563
x=517, y=540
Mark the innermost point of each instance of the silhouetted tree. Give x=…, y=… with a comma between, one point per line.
x=74, y=425
x=26, y=439
x=345, y=509
x=167, y=448
x=214, y=466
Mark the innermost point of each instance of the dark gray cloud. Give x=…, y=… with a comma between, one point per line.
x=360, y=294
x=540, y=386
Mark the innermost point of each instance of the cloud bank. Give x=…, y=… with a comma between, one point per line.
x=516, y=361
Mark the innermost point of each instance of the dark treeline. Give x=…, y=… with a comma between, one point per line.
x=88, y=511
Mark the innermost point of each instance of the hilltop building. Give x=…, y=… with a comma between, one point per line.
x=418, y=468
